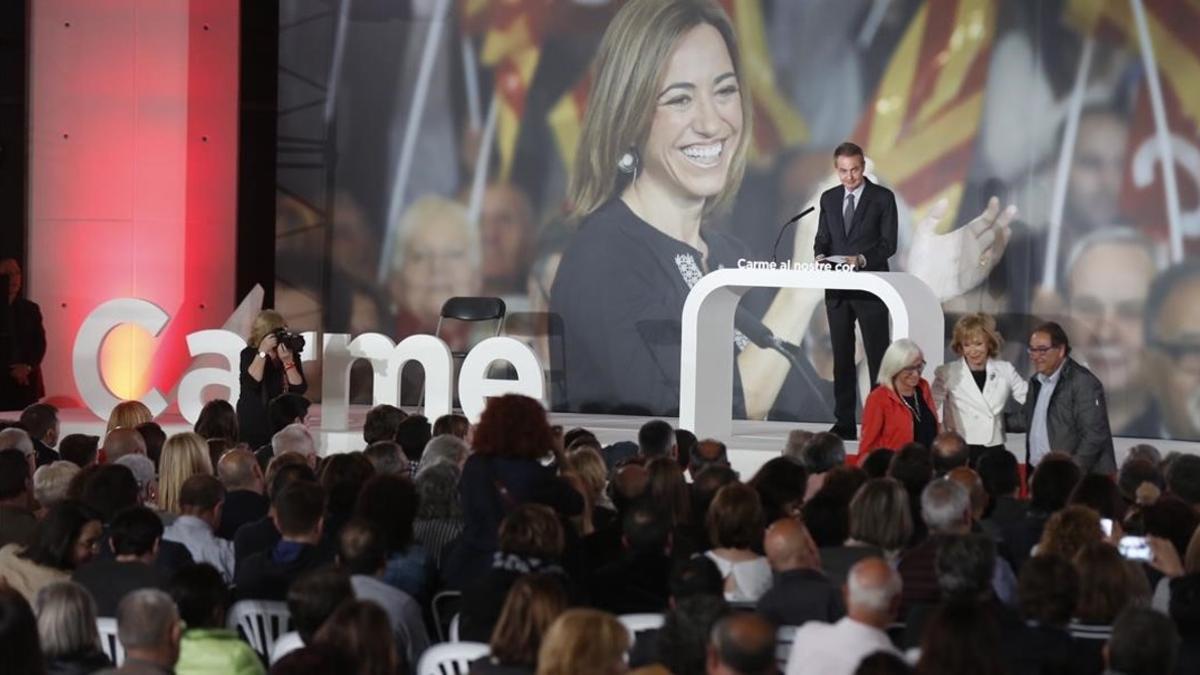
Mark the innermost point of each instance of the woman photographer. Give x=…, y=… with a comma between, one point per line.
x=269, y=368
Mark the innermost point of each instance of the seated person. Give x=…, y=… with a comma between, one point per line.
x=533, y=603
x=314, y=597
x=261, y=535
x=531, y=540
x=299, y=517
x=108, y=490
x=735, y=527
x=244, y=501
x=17, y=519
x=693, y=578
x=207, y=645
x=363, y=555
x=150, y=630
x=637, y=582
x=200, y=503
x=134, y=534
x=800, y=591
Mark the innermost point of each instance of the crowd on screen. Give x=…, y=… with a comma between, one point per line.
x=932, y=557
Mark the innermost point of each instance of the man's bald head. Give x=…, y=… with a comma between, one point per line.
x=872, y=592
x=969, y=479
x=123, y=441
x=239, y=470
x=789, y=546
x=629, y=482
x=742, y=643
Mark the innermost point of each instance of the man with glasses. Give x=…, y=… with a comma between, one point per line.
x=1065, y=410
x=1172, y=327
x=1107, y=279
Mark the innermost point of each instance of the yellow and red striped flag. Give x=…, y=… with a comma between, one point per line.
x=1173, y=26
x=473, y=16
x=777, y=124
x=920, y=129
x=512, y=46
x=566, y=119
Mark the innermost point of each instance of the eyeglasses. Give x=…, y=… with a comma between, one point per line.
x=1185, y=355
x=915, y=368
x=1038, y=351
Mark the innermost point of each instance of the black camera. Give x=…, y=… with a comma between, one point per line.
x=293, y=341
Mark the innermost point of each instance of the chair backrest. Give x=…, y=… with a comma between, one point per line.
x=444, y=606
x=285, y=644
x=473, y=309
x=454, y=627
x=784, y=638
x=260, y=622
x=109, y=643
x=450, y=658
x=639, y=622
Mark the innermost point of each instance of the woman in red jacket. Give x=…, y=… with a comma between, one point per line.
x=901, y=409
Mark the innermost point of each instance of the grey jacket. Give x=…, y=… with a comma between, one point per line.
x=1077, y=419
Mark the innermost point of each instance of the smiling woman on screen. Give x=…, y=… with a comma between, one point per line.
x=663, y=147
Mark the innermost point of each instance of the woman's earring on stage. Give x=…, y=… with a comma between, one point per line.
x=628, y=164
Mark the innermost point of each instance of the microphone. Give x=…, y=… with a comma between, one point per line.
x=761, y=336
x=775, y=248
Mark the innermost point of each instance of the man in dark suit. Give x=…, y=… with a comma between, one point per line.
x=135, y=536
x=22, y=343
x=244, y=500
x=858, y=221
x=41, y=421
x=1065, y=410
x=800, y=592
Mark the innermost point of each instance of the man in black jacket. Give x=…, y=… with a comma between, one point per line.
x=244, y=500
x=135, y=535
x=1065, y=410
x=41, y=421
x=299, y=514
x=800, y=592
x=22, y=343
x=859, y=223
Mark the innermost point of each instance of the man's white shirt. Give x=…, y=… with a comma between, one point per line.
x=823, y=648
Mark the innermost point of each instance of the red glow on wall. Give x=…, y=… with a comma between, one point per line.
x=133, y=170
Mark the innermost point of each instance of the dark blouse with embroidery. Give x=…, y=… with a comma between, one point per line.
x=618, y=298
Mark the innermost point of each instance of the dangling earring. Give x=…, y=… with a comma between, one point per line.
x=628, y=163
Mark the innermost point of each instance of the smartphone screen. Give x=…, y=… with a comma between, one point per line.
x=1134, y=548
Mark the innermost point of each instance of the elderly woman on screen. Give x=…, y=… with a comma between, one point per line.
x=901, y=409
x=971, y=392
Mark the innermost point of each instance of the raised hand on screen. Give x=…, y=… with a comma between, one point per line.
x=958, y=261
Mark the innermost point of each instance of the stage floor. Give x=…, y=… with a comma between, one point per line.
x=753, y=442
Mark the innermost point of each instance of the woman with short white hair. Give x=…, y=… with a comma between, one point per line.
x=901, y=409
x=66, y=621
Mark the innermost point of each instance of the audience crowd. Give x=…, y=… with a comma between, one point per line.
x=540, y=544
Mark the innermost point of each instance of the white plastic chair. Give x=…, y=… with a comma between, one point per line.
x=450, y=658
x=454, y=627
x=445, y=605
x=261, y=622
x=784, y=638
x=110, y=644
x=639, y=622
x=285, y=644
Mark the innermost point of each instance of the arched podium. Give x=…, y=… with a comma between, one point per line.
x=706, y=360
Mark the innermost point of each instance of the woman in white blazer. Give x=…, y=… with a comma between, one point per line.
x=971, y=392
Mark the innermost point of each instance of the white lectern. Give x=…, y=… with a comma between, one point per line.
x=706, y=359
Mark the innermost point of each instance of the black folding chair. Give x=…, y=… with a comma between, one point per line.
x=472, y=309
